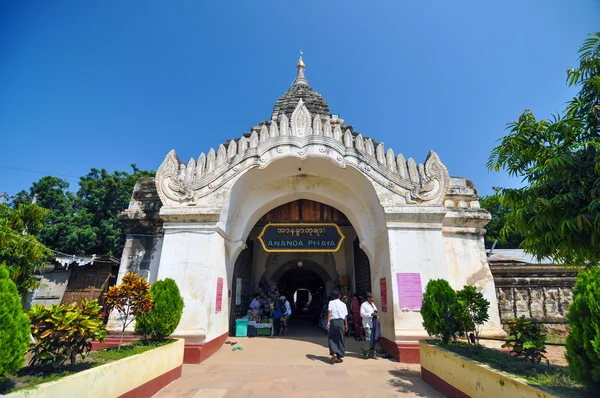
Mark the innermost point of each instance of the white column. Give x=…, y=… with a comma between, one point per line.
x=416, y=245
x=467, y=260
x=194, y=255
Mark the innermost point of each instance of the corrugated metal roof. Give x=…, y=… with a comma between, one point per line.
x=516, y=255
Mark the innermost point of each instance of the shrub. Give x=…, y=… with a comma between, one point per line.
x=165, y=314
x=14, y=326
x=441, y=311
x=526, y=340
x=64, y=331
x=583, y=342
x=131, y=299
x=475, y=308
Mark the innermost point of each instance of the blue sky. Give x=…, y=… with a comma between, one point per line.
x=105, y=84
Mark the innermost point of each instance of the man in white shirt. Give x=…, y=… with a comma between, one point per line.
x=368, y=311
x=287, y=313
x=255, y=304
x=337, y=325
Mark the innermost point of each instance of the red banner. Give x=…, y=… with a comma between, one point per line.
x=219, y=304
x=383, y=289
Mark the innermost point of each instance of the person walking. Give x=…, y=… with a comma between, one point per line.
x=368, y=313
x=337, y=326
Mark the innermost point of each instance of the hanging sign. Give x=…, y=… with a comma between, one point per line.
x=410, y=293
x=383, y=289
x=219, y=304
x=238, y=291
x=306, y=238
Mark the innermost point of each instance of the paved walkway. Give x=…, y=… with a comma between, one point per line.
x=296, y=366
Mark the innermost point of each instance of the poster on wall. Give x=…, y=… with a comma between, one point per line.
x=383, y=289
x=410, y=293
x=219, y=304
x=238, y=291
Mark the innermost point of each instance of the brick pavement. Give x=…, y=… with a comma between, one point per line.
x=296, y=366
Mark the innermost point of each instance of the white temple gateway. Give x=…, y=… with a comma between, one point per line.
x=304, y=202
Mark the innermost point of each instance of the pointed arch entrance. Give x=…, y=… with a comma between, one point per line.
x=298, y=274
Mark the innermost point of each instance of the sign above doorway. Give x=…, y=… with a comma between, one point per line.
x=307, y=238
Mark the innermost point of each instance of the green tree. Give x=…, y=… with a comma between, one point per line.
x=14, y=327
x=166, y=313
x=85, y=222
x=441, y=312
x=63, y=229
x=583, y=342
x=102, y=196
x=558, y=211
x=494, y=233
x=20, y=250
x=475, y=308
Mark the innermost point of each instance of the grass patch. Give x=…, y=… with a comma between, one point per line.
x=29, y=377
x=112, y=354
x=558, y=339
x=554, y=378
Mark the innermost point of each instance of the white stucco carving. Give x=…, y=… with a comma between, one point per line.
x=179, y=184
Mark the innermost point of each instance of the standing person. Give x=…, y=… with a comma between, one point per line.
x=356, y=319
x=287, y=313
x=255, y=304
x=368, y=312
x=277, y=314
x=337, y=325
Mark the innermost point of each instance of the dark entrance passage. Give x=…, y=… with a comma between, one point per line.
x=305, y=290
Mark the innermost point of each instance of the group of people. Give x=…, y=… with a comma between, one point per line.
x=278, y=309
x=337, y=325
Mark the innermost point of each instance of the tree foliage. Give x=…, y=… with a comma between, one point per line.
x=558, y=211
x=14, y=327
x=166, y=313
x=85, y=222
x=441, y=312
x=131, y=299
x=476, y=310
x=62, y=332
x=504, y=239
x=20, y=250
x=583, y=342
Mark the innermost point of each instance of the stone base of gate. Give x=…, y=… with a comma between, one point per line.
x=405, y=351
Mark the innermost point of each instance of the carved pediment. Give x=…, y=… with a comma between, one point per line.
x=303, y=137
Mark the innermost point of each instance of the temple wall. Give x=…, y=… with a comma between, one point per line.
x=415, y=246
x=540, y=292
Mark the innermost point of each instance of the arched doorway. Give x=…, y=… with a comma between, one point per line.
x=305, y=278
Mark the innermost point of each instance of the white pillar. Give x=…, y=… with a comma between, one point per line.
x=416, y=245
x=194, y=255
x=467, y=260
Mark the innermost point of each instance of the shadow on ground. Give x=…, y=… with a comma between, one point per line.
x=403, y=381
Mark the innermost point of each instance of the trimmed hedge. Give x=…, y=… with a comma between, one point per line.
x=166, y=313
x=14, y=326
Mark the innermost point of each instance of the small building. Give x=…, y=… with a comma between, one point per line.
x=303, y=201
x=70, y=279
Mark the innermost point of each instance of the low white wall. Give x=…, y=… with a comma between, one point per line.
x=114, y=378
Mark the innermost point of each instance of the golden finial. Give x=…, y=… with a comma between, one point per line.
x=300, y=62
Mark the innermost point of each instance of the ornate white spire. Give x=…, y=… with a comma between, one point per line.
x=300, y=79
